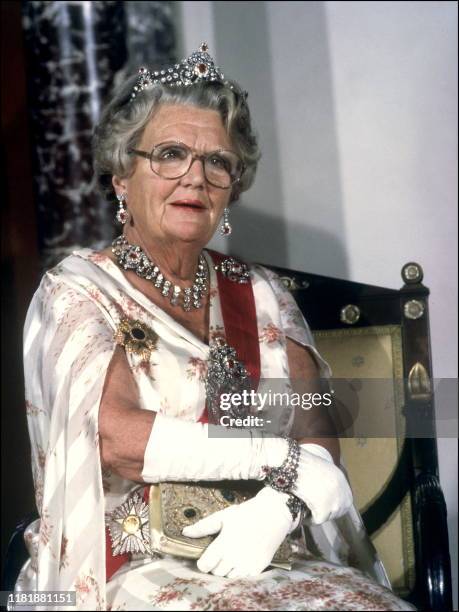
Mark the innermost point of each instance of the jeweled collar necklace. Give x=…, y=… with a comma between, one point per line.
x=132, y=257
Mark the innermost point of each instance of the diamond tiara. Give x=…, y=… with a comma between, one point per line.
x=199, y=66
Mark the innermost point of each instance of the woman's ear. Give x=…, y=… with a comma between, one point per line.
x=119, y=185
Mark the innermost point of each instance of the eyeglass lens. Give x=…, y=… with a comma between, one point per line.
x=172, y=160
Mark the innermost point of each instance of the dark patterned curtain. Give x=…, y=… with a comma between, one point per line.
x=76, y=53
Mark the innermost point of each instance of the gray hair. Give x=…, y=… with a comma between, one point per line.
x=123, y=121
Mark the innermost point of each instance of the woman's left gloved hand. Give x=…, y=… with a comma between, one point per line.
x=250, y=534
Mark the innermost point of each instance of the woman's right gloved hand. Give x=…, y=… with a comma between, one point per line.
x=321, y=484
x=249, y=535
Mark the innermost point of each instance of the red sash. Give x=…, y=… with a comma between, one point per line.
x=240, y=321
x=241, y=331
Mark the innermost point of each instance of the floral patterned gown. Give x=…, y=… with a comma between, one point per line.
x=68, y=345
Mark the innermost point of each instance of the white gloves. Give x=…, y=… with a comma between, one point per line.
x=321, y=484
x=250, y=534
x=182, y=450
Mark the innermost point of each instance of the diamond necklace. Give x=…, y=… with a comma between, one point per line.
x=131, y=257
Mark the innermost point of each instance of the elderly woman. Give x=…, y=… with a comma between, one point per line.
x=127, y=353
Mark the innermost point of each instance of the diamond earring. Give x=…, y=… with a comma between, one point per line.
x=225, y=227
x=122, y=213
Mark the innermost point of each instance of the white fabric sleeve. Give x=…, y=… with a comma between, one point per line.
x=293, y=322
x=67, y=350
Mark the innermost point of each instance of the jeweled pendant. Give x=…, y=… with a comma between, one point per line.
x=122, y=216
x=132, y=258
x=166, y=286
x=159, y=280
x=175, y=295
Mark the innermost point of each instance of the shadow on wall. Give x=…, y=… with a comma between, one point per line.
x=259, y=237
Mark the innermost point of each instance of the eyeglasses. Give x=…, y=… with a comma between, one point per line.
x=172, y=160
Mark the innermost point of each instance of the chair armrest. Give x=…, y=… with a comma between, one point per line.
x=16, y=553
x=433, y=588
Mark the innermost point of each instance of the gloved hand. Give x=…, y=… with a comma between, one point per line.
x=321, y=484
x=250, y=534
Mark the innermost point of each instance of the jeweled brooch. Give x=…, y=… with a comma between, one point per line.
x=225, y=374
x=234, y=270
x=129, y=527
x=136, y=338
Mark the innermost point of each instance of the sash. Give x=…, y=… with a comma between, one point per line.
x=241, y=331
x=240, y=321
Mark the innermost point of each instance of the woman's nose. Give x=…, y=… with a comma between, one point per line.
x=195, y=175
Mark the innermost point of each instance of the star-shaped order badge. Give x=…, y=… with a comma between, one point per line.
x=129, y=527
x=136, y=337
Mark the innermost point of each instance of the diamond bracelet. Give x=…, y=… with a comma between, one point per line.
x=283, y=478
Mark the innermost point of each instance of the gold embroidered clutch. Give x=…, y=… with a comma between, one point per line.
x=176, y=505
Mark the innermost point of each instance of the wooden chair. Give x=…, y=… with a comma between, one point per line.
x=381, y=336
